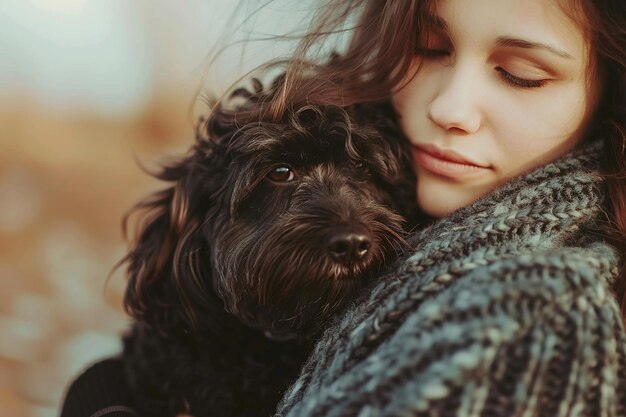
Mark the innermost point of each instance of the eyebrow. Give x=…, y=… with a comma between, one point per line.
x=505, y=41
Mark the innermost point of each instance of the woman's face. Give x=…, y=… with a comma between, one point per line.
x=502, y=89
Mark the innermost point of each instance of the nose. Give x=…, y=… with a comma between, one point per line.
x=348, y=247
x=455, y=106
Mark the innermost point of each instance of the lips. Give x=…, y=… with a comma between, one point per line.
x=447, y=163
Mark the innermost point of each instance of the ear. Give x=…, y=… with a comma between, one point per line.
x=167, y=280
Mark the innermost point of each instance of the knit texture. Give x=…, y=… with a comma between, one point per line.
x=501, y=309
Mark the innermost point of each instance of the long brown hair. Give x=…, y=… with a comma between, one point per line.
x=378, y=57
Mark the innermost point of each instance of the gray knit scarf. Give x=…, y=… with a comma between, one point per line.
x=501, y=309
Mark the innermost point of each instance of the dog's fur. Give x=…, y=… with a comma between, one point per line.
x=233, y=271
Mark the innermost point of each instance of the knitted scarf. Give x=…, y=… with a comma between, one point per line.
x=501, y=309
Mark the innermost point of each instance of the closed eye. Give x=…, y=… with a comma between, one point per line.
x=519, y=82
x=515, y=81
x=432, y=52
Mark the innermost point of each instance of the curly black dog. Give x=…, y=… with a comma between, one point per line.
x=266, y=231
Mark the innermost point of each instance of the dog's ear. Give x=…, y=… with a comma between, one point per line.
x=168, y=264
x=167, y=278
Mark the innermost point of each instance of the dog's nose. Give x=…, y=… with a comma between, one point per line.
x=349, y=247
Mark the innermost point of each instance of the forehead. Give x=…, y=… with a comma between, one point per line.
x=478, y=22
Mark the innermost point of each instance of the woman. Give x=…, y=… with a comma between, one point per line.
x=512, y=299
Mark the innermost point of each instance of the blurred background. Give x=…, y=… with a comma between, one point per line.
x=87, y=89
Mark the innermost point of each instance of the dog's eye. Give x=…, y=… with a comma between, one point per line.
x=281, y=174
x=361, y=166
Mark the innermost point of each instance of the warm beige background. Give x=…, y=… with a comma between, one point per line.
x=65, y=182
x=87, y=88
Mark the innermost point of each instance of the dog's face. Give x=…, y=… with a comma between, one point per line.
x=283, y=221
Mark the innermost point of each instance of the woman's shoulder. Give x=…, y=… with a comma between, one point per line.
x=100, y=390
x=563, y=271
x=540, y=283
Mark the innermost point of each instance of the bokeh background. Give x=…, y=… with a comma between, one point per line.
x=88, y=89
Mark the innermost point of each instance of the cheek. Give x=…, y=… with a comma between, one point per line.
x=528, y=135
x=404, y=104
x=410, y=104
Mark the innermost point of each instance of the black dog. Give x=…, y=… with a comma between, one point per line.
x=267, y=230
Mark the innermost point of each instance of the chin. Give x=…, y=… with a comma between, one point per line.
x=440, y=198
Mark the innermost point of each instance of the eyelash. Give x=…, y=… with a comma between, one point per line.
x=509, y=78
x=520, y=82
